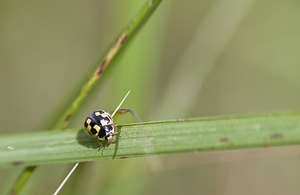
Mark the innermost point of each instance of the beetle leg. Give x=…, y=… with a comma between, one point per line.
x=100, y=145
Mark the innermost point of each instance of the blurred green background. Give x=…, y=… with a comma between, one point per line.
x=192, y=58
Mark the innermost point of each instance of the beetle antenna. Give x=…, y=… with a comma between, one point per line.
x=75, y=166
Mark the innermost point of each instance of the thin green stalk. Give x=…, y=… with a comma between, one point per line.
x=167, y=137
x=24, y=176
x=63, y=122
x=137, y=22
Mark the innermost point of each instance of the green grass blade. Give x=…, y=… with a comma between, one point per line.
x=167, y=137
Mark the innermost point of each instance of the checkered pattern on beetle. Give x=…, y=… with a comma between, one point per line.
x=101, y=126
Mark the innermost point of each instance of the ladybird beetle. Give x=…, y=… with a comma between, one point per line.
x=101, y=126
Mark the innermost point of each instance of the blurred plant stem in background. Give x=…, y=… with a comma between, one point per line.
x=205, y=48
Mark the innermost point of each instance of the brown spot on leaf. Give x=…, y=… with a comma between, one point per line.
x=68, y=117
x=224, y=139
x=123, y=157
x=103, y=63
x=100, y=70
x=17, y=163
x=276, y=135
x=200, y=149
x=101, y=67
x=124, y=39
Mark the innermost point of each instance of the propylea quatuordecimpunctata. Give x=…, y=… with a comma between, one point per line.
x=101, y=126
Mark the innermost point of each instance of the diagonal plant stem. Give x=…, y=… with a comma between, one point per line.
x=139, y=20
x=63, y=122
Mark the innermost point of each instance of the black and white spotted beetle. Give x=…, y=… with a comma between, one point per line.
x=101, y=126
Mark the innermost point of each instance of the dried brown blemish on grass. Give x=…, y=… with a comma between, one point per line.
x=110, y=55
x=68, y=117
x=224, y=139
x=124, y=39
x=17, y=163
x=277, y=136
x=101, y=68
